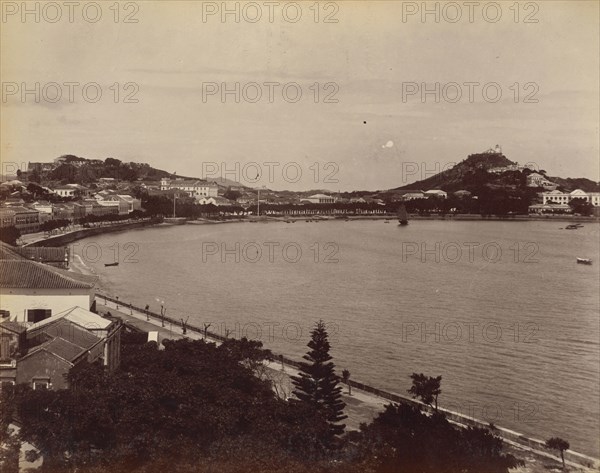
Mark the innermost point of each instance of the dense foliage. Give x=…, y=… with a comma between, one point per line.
x=10, y=235
x=198, y=407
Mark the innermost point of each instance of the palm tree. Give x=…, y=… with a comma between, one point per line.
x=556, y=443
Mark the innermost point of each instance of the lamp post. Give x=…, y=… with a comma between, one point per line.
x=163, y=311
x=258, y=201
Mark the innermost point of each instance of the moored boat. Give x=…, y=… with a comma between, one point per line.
x=402, y=215
x=584, y=261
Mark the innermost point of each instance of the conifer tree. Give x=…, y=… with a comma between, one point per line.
x=317, y=383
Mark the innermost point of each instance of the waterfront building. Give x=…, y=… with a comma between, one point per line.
x=132, y=203
x=45, y=210
x=68, y=211
x=436, y=193
x=24, y=219
x=118, y=205
x=558, y=197
x=550, y=209
x=319, y=199
x=218, y=201
x=413, y=195
x=196, y=188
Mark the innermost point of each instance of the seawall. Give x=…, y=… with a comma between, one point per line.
x=66, y=238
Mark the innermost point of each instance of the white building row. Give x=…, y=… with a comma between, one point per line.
x=566, y=197
x=194, y=187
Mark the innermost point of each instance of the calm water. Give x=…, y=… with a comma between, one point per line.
x=516, y=340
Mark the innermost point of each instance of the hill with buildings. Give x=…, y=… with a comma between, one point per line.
x=493, y=169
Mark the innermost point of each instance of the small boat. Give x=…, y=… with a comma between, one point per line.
x=116, y=263
x=584, y=261
x=402, y=215
x=572, y=227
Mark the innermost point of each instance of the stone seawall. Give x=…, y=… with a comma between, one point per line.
x=66, y=238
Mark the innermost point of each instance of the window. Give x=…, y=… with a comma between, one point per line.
x=35, y=315
x=41, y=383
x=5, y=382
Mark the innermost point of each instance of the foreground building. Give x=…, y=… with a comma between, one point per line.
x=32, y=291
x=43, y=354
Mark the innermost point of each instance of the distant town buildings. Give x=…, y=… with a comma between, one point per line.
x=537, y=180
x=436, y=193
x=218, y=201
x=26, y=220
x=319, y=199
x=511, y=167
x=418, y=194
x=196, y=188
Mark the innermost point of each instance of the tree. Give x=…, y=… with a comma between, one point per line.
x=556, y=443
x=581, y=206
x=426, y=388
x=232, y=194
x=346, y=378
x=10, y=235
x=317, y=384
x=404, y=439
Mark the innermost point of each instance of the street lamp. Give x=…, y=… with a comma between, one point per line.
x=163, y=311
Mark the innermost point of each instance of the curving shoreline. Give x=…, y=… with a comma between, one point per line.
x=69, y=237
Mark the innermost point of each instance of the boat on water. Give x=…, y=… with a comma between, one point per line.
x=587, y=261
x=116, y=263
x=402, y=215
x=573, y=227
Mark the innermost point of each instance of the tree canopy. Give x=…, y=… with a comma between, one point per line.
x=317, y=385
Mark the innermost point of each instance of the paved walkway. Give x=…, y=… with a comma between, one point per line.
x=360, y=406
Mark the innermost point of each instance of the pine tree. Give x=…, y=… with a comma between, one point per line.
x=317, y=383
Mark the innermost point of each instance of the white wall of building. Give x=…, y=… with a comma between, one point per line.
x=18, y=301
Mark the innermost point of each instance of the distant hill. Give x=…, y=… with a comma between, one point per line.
x=473, y=173
x=79, y=170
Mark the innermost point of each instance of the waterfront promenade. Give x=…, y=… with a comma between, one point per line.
x=363, y=405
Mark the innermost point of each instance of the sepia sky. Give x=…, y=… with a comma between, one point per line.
x=377, y=135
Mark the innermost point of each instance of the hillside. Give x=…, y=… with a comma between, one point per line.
x=74, y=169
x=472, y=174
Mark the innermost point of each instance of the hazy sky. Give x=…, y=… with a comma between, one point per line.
x=379, y=131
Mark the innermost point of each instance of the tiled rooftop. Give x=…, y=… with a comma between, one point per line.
x=31, y=275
